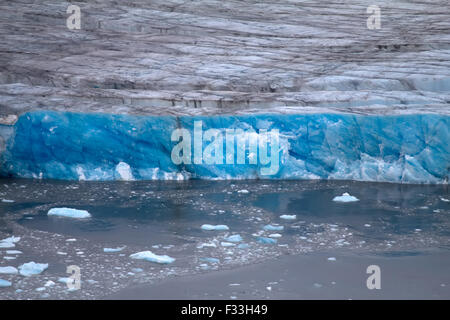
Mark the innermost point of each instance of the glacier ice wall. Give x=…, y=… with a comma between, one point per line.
x=412, y=148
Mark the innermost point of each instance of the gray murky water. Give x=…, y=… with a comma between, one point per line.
x=390, y=220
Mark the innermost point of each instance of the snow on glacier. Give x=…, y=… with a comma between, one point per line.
x=69, y=213
x=150, y=256
x=407, y=148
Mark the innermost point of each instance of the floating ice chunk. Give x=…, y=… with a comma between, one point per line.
x=210, y=260
x=227, y=244
x=4, y=283
x=124, y=171
x=13, y=252
x=331, y=259
x=69, y=213
x=234, y=238
x=110, y=250
x=49, y=283
x=210, y=244
x=265, y=240
x=66, y=280
x=270, y=227
x=445, y=200
x=40, y=289
x=243, y=191
x=219, y=227
x=71, y=240
x=150, y=256
x=137, y=270
x=367, y=225
x=8, y=270
x=288, y=216
x=9, y=258
x=7, y=201
x=32, y=268
x=9, y=242
x=243, y=246
x=275, y=235
x=345, y=198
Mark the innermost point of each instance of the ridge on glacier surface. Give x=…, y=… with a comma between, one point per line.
x=100, y=103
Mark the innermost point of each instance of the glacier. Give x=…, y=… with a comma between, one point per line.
x=409, y=148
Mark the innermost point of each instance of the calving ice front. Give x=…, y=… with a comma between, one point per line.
x=240, y=146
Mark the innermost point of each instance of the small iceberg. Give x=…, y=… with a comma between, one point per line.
x=9, y=242
x=265, y=240
x=8, y=270
x=243, y=246
x=243, y=191
x=234, y=238
x=4, y=283
x=210, y=260
x=13, y=252
x=219, y=227
x=288, y=216
x=275, y=235
x=345, y=198
x=227, y=244
x=111, y=250
x=32, y=268
x=150, y=256
x=7, y=201
x=69, y=213
x=270, y=227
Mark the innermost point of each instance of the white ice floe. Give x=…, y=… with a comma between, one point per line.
x=71, y=240
x=13, y=252
x=210, y=227
x=66, y=280
x=345, y=198
x=265, y=240
x=331, y=259
x=243, y=191
x=111, y=250
x=227, y=244
x=4, y=283
x=7, y=201
x=234, y=238
x=32, y=268
x=445, y=200
x=275, y=235
x=9, y=242
x=49, y=283
x=8, y=270
x=271, y=227
x=9, y=258
x=150, y=256
x=206, y=244
x=288, y=216
x=69, y=213
x=210, y=260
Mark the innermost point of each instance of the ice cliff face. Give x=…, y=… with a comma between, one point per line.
x=101, y=103
x=62, y=145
